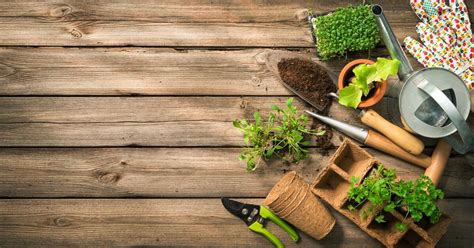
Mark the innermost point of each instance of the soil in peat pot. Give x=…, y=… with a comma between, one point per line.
x=308, y=79
x=313, y=82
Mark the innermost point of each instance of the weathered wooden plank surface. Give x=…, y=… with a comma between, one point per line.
x=196, y=11
x=143, y=121
x=146, y=109
x=173, y=172
x=141, y=71
x=248, y=24
x=174, y=222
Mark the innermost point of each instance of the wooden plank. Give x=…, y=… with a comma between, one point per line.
x=36, y=32
x=173, y=222
x=90, y=121
x=142, y=121
x=195, y=11
x=146, y=109
x=259, y=24
x=155, y=172
x=141, y=71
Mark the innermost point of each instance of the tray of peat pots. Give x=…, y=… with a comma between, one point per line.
x=362, y=83
x=292, y=200
x=393, y=211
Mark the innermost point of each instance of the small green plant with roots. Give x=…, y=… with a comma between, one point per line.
x=382, y=188
x=284, y=134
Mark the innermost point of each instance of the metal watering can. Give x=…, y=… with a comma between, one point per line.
x=432, y=102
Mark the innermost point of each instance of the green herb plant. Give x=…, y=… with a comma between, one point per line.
x=382, y=188
x=365, y=78
x=282, y=134
x=345, y=30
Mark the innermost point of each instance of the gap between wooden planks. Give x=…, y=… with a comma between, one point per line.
x=174, y=222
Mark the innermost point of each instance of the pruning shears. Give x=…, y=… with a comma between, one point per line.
x=256, y=218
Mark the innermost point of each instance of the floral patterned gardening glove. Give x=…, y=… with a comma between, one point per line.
x=446, y=37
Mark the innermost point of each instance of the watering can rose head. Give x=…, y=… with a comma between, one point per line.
x=364, y=78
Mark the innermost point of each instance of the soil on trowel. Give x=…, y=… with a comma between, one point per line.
x=309, y=79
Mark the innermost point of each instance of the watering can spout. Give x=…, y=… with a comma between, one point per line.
x=391, y=42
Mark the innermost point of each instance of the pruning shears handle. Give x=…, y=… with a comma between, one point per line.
x=259, y=228
x=267, y=214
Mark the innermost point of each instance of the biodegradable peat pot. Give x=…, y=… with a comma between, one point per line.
x=311, y=216
x=292, y=200
x=280, y=192
x=375, y=95
x=283, y=194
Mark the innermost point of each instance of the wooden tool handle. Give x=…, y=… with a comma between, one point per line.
x=383, y=144
x=395, y=133
x=439, y=159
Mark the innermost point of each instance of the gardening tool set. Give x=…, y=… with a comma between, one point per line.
x=433, y=102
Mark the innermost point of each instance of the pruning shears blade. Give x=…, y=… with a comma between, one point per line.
x=245, y=212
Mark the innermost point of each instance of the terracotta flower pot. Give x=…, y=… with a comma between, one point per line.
x=347, y=73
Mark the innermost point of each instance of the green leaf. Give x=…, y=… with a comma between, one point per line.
x=361, y=73
x=289, y=102
x=401, y=227
x=390, y=207
x=384, y=68
x=380, y=219
x=258, y=118
x=236, y=124
x=350, y=96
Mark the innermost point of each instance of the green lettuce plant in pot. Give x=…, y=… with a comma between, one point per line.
x=362, y=83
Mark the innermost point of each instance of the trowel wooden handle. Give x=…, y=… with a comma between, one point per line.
x=395, y=133
x=439, y=159
x=383, y=144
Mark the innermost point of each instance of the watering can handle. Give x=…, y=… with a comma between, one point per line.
x=467, y=139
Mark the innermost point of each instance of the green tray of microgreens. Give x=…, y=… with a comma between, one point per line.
x=344, y=30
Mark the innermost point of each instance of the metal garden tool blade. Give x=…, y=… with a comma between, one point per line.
x=241, y=210
x=272, y=58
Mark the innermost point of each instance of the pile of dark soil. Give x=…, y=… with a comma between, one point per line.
x=308, y=79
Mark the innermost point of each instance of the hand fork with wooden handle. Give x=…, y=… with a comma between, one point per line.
x=396, y=134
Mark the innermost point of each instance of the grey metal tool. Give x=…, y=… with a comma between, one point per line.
x=432, y=102
x=374, y=140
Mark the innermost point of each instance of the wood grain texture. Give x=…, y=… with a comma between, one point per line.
x=142, y=71
x=173, y=222
x=174, y=172
x=143, y=121
x=147, y=109
x=199, y=23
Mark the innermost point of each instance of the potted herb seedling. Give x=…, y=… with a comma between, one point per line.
x=345, y=30
x=362, y=83
x=284, y=134
x=382, y=188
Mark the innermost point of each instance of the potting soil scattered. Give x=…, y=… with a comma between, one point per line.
x=308, y=79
